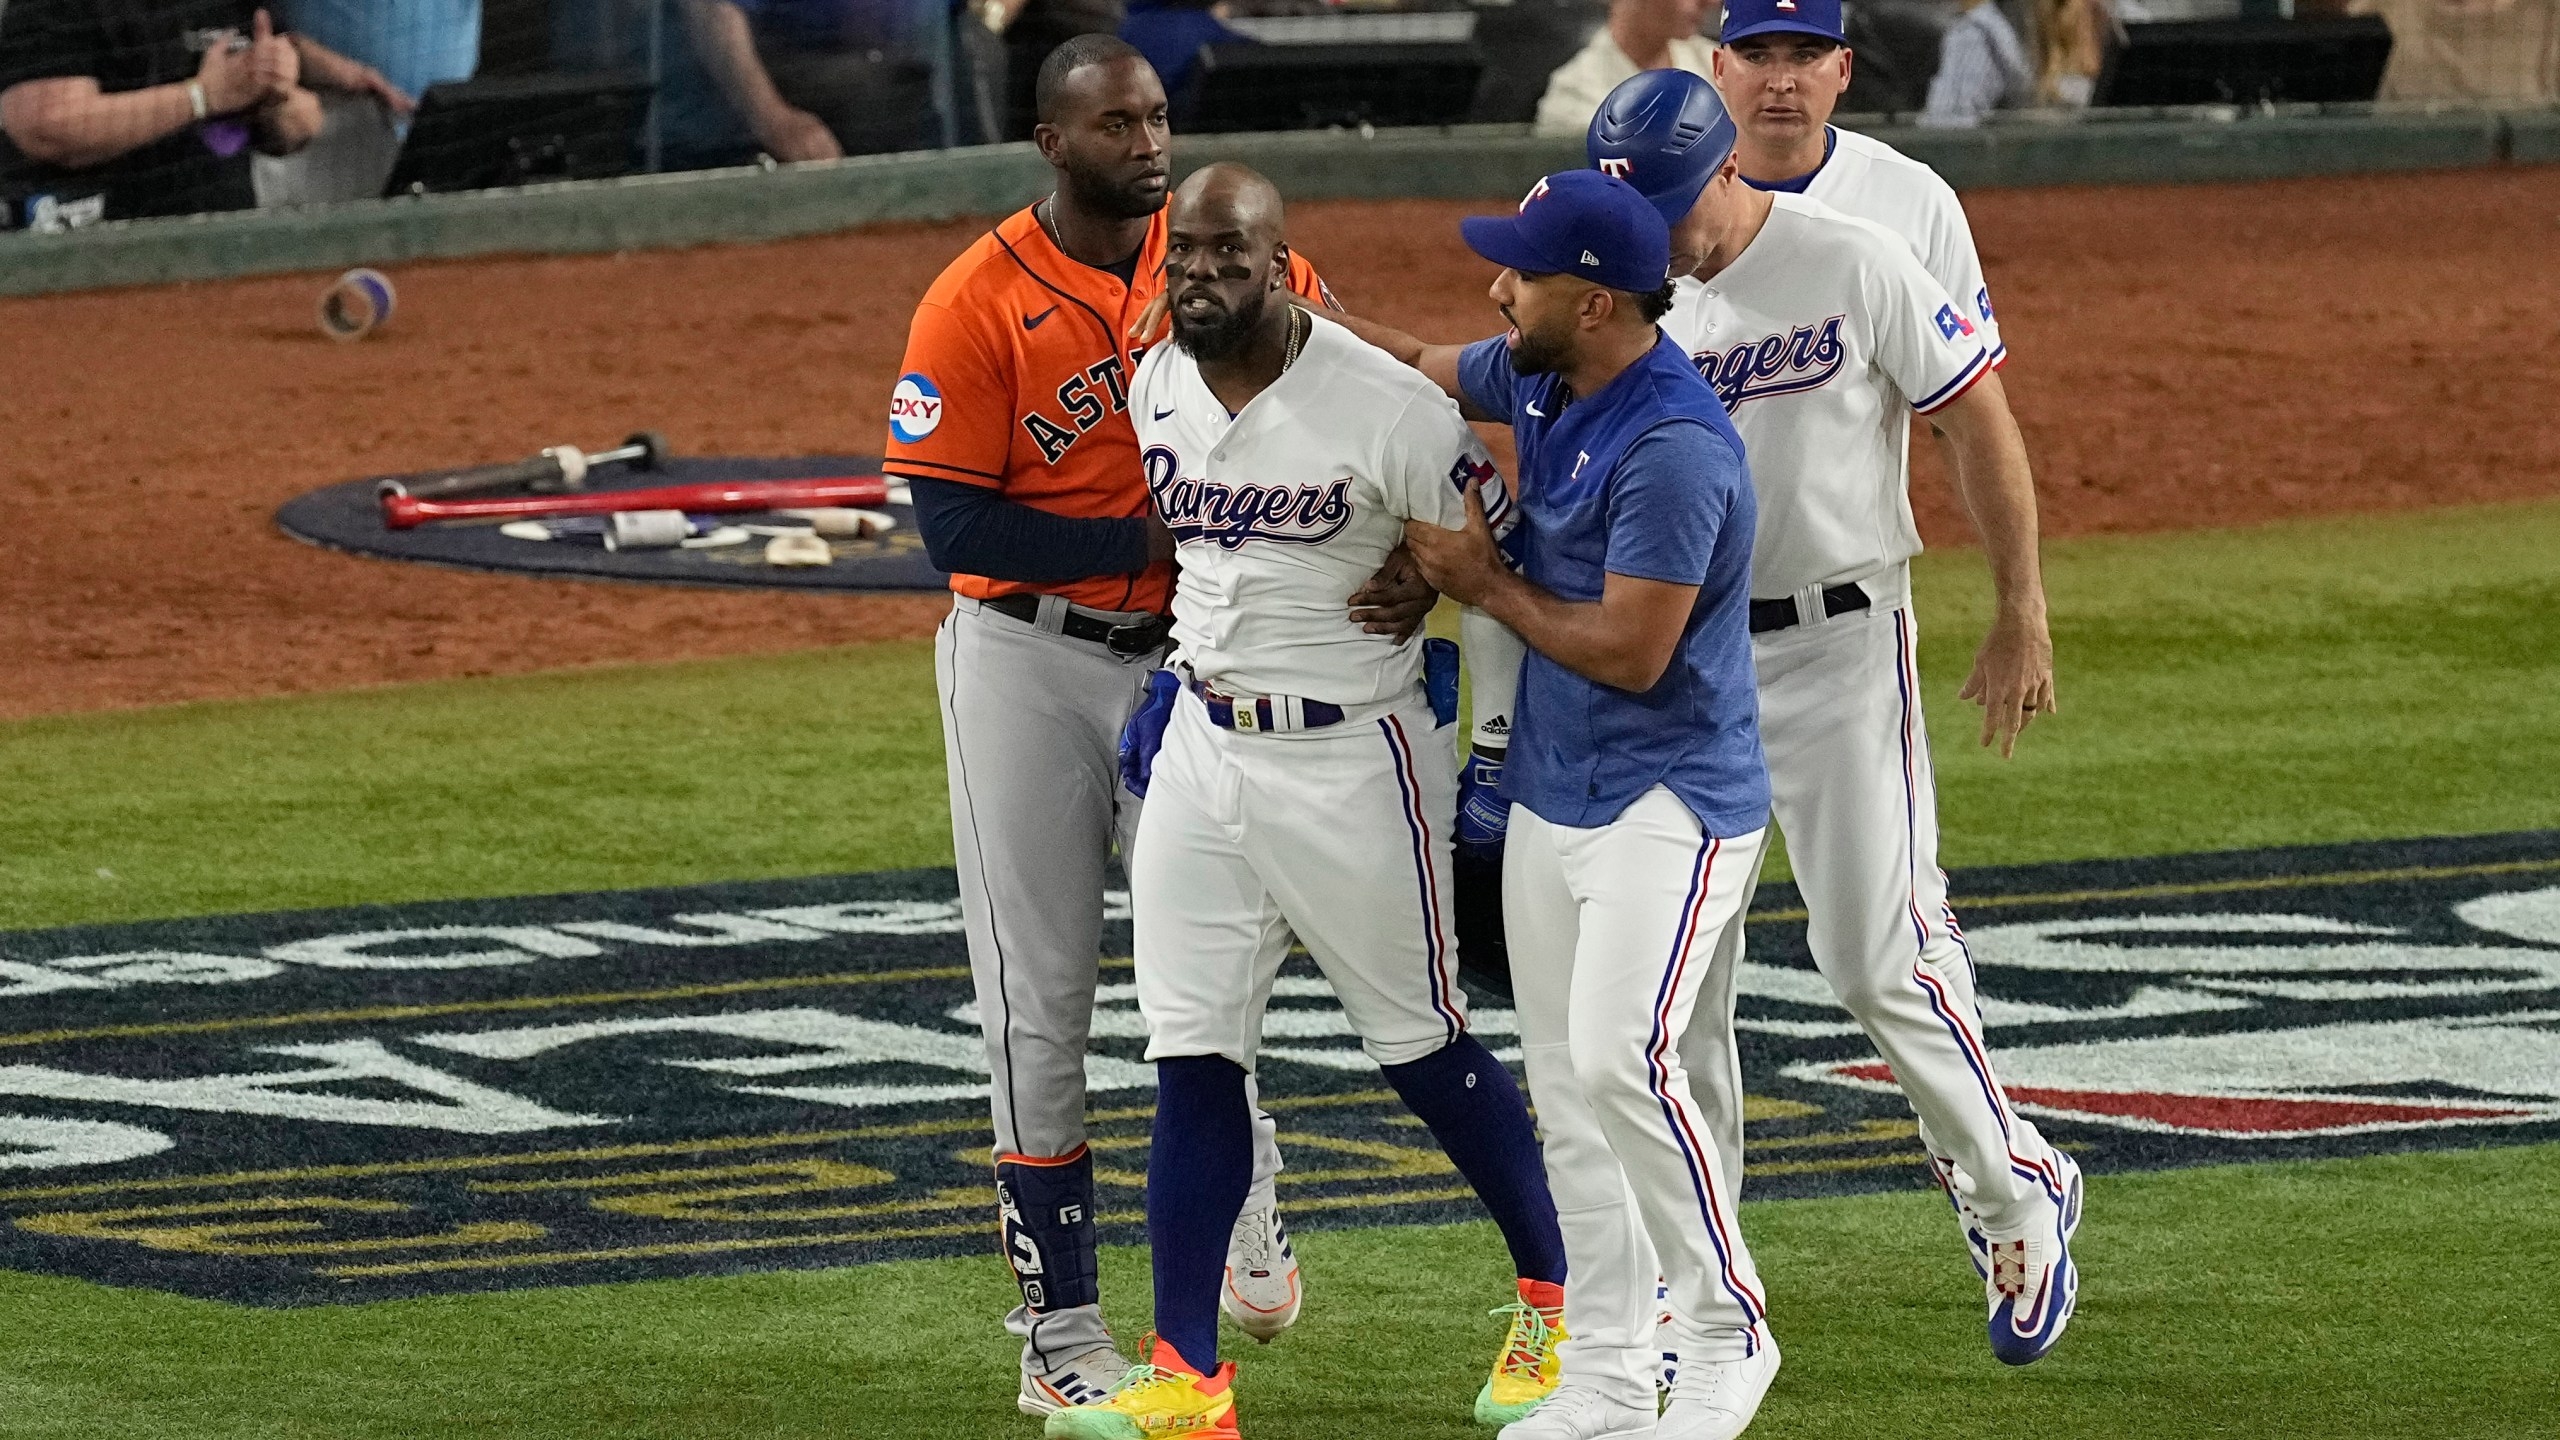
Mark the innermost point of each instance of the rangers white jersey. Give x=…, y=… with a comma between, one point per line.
x=1283, y=509
x=1822, y=338
x=1871, y=180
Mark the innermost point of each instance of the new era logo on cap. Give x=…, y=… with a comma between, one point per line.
x=1590, y=259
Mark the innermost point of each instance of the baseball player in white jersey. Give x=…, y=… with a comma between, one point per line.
x=1011, y=426
x=1781, y=73
x=1305, y=788
x=1823, y=334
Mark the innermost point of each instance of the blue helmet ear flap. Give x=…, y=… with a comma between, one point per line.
x=1666, y=133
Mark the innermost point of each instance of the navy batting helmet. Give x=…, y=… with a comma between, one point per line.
x=1664, y=132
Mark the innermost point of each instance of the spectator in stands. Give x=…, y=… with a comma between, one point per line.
x=400, y=48
x=113, y=110
x=1170, y=33
x=2070, y=38
x=1031, y=29
x=820, y=79
x=1982, y=67
x=2506, y=51
x=1640, y=35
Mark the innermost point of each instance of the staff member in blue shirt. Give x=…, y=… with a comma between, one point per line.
x=1639, y=795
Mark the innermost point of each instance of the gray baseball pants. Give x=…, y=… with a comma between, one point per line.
x=1031, y=735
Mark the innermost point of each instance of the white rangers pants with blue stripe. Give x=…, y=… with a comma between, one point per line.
x=1857, y=800
x=1619, y=934
x=1337, y=837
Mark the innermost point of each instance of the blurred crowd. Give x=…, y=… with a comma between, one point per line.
x=114, y=109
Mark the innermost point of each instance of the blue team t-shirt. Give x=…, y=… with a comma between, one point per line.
x=414, y=43
x=1676, y=506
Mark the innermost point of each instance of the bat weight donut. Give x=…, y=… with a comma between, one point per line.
x=357, y=305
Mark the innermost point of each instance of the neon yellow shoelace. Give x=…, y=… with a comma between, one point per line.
x=1137, y=1376
x=1525, y=1352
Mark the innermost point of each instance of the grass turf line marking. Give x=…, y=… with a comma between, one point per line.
x=486, y=1007
x=961, y=972
x=595, y=1154
x=482, y=1007
x=2221, y=887
x=784, y=1242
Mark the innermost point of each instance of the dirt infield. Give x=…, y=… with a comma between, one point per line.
x=2187, y=356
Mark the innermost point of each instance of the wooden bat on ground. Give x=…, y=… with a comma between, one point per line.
x=562, y=467
x=402, y=510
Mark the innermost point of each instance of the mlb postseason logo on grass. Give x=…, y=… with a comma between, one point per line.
x=339, y=1106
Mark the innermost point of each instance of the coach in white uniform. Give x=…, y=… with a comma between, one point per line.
x=1823, y=334
x=1306, y=786
x=1781, y=72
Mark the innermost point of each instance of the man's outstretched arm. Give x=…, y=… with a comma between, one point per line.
x=1438, y=363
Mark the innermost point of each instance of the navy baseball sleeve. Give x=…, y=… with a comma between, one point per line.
x=973, y=530
x=1667, y=502
x=1485, y=374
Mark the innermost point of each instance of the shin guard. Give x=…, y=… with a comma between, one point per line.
x=1048, y=1229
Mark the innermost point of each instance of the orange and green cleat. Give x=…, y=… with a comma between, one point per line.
x=1162, y=1397
x=1525, y=1372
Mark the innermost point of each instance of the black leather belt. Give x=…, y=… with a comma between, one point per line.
x=1768, y=615
x=1139, y=637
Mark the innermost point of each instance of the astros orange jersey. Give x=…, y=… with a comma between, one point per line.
x=1017, y=377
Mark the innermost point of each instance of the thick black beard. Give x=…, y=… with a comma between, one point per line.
x=1533, y=355
x=1223, y=338
x=1103, y=197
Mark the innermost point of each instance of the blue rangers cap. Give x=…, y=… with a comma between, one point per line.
x=1665, y=132
x=1581, y=223
x=1772, y=17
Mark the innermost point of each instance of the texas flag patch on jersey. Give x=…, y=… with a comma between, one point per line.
x=1951, y=324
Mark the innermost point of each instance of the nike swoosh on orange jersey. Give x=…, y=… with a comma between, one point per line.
x=1032, y=322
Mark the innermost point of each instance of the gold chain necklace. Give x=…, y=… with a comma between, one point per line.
x=1299, y=326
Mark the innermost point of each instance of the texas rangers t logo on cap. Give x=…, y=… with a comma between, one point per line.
x=1568, y=219
x=1746, y=18
x=1622, y=166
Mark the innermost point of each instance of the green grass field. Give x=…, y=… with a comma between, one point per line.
x=2326, y=681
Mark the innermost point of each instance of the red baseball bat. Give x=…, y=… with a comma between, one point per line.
x=402, y=510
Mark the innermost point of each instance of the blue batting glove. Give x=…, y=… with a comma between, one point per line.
x=1143, y=735
x=1440, y=680
x=1483, y=815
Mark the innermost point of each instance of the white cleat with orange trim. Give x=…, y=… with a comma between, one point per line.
x=1077, y=1380
x=1262, y=1290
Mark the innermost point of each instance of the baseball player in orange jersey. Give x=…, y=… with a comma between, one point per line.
x=1010, y=426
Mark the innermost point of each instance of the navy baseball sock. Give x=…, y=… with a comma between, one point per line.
x=1475, y=1111
x=1197, y=1175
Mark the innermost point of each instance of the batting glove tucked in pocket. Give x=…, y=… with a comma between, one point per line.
x=1484, y=817
x=1144, y=734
